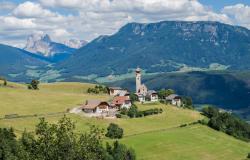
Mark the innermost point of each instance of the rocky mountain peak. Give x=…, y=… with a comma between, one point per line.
x=43, y=45
x=39, y=44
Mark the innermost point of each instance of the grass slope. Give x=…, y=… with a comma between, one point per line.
x=153, y=137
x=189, y=143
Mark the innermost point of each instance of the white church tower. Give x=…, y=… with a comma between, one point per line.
x=138, y=79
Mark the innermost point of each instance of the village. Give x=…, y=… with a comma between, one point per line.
x=121, y=99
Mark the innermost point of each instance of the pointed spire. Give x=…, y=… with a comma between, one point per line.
x=138, y=69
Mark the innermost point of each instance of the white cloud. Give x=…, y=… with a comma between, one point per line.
x=11, y=22
x=32, y=10
x=240, y=13
x=107, y=16
x=87, y=19
x=60, y=33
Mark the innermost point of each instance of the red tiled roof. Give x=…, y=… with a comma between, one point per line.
x=120, y=100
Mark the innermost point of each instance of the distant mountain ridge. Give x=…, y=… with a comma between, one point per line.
x=41, y=44
x=163, y=47
x=15, y=62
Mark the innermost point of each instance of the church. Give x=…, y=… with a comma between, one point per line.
x=142, y=90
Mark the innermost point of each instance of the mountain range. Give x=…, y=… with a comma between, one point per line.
x=163, y=47
x=155, y=47
x=15, y=62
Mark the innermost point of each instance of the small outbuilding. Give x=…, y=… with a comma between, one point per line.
x=174, y=99
x=152, y=96
x=115, y=91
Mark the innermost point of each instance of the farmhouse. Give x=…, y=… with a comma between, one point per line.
x=152, y=96
x=174, y=99
x=115, y=91
x=95, y=106
x=121, y=102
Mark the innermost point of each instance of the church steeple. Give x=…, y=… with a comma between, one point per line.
x=138, y=79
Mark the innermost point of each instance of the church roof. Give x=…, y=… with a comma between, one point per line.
x=138, y=69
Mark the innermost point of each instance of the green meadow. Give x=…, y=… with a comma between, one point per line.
x=153, y=137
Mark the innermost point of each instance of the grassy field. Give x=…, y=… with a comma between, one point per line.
x=190, y=143
x=153, y=137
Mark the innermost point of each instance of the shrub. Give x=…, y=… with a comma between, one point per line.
x=210, y=111
x=132, y=112
x=203, y=121
x=124, y=111
x=187, y=102
x=165, y=92
x=4, y=81
x=33, y=85
x=68, y=110
x=98, y=89
x=140, y=114
x=133, y=97
x=120, y=152
x=183, y=125
x=248, y=156
x=114, y=131
x=29, y=86
x=161, y=110
x=162, y=101
x=118, y=115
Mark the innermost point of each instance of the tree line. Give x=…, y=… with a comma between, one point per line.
x=98, y=89
x=227, y=123
x=133, y=112
x=60, y=141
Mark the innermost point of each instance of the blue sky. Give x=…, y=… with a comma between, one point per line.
x=219, y=4
x=88, y=19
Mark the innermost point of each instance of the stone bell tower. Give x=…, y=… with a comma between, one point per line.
x=138, y=79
